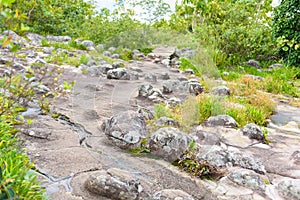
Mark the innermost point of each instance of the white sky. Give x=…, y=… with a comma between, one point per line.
x=110, y=3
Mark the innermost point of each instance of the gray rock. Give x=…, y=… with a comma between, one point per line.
x=259, y=78
x=115, y=56
x=116, y=65
x=221, y=91
x=151, y=78
x=253, y=63
x=112, y=49
x=48, y=50
x=221, y=120
x=169, y=143
x=58, y=38
x=171, y=194
x=247, y=178
x=151, y=56
x=274, y=66
x=145, y=90
x=165, y=62
x=216, y=156
x=126, y=130
x=94, y=71
x=173, y=101
x=106, y=53
x=35, y=39
x=189, y=71
x=166, y=121
x=16, y=39
x=119, y=74
x=88, y=44
x=253, y=132
x=195, y=87
x=91, y=63
x=170, y=85
x=226, y=73
x=147, y=114
x=115, y=184
x=156, y=60
x=289, y=189
x=99, y=47
x=105, y=68
x=164, y=76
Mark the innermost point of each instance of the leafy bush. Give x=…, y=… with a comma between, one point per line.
x=287, y=31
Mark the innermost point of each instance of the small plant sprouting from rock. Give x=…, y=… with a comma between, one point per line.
x=142, y=149
x=196, y=167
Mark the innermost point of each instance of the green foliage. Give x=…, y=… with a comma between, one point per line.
x=186, y=64
x=60, y=17
x=160, y=110
x=287, y=31
x=233, y=30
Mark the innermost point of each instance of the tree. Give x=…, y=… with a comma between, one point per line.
x=286, y=28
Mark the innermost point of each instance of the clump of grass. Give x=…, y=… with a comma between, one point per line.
x=186, y=64
x=196, y=167
x=161, y=110
x=84, y=59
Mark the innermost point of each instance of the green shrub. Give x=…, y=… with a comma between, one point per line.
x=286, y=29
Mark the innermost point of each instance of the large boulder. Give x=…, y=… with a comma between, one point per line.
x=169, y=143
x=119, y=74
x=289, y=189
x=219, y=157
x=220, y=91
x=247, y=178
x=172, y=194
x=126, y=130
x=221, y=120
x=116, y=184
x=253, y=132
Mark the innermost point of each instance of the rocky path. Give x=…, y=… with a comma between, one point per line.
x=78, y=157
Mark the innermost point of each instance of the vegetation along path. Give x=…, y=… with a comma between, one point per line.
x=149, y=129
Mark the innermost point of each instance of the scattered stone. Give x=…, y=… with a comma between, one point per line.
x=165, y=76
x=147, y=114
x=48, y=50
x=106, y=53
x=169, y=143
x=116, y=65
x=259, y=78
x=171, y=194
x=59, y=38
x=126, y=130
x=119, y=74
x=221, y=91
x=165, y=62
x=115, y=56
x=166, y=121
x=99, y=47
x=221, y=120
x=91, y=63
x=145, y=90
x=156, y=60
x=115, y=184
x=274, y=66
x=151, y=78
x=105, y=68
x=247, y=178
x=189, y=71
x=195, y=88
x=173, y=101
x=253, y=132
x=253, y=63
x=35, y=39
x=289, y=189
x=226, y=73
x=112, y=49
x=151, y=56
x=170, y=85
x=90, y=45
